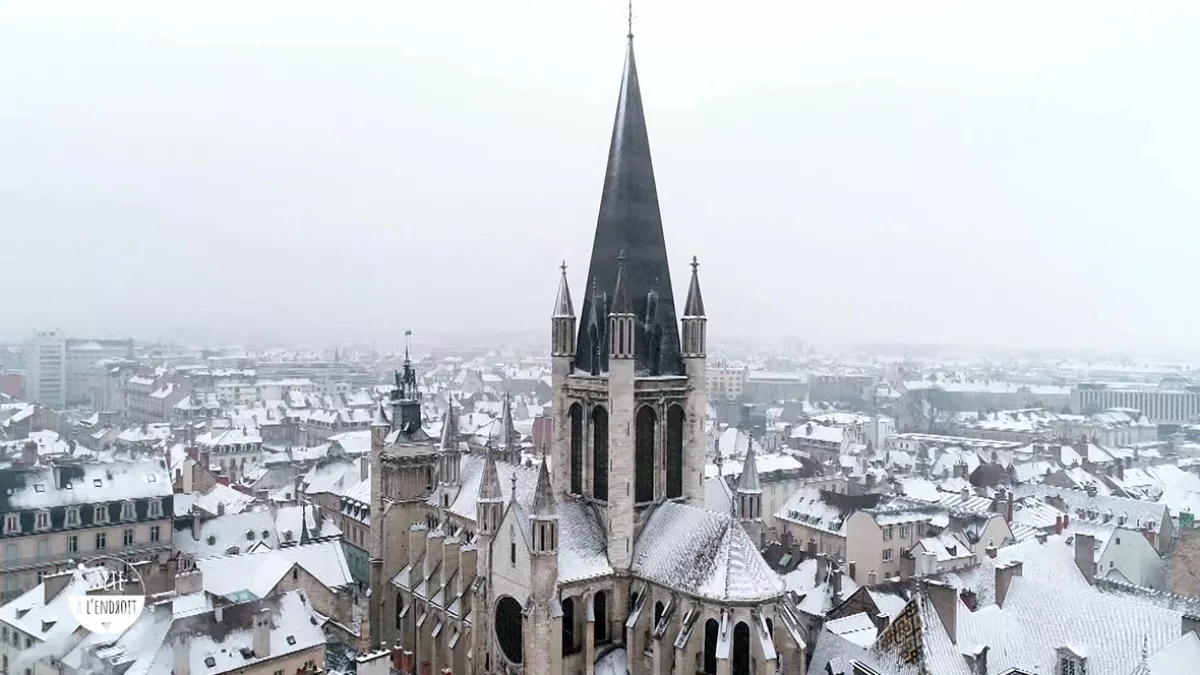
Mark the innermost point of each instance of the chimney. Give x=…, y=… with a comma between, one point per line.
x=188, y=578
x=181, y=656
x=945, y=601
x=1009, y=515
x=1150, y=537
x=53, y=584
x=990, y=550
x=219, y=613
x=881, y=621
x=871, y=578
x=297, y=487
x=1085, y=556
x=220, y=508
x=821, y=567
x=1058, y=524
x=364, y=468
x=853, y=571
x=1066, y=520
x=202, y=458
x=929, y=563
x=835, y=583
x=966, y=493
x=262, y=634
x=979, y=660
x=1041, y=537
x=812, y=547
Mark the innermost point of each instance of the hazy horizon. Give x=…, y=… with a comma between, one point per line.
x=1016, y=177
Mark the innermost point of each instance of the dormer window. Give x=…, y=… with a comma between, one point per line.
x=73, y=516
x=43, y=520
x=156, y=508
x=128, y=511
x=100, y=513
x=12, y=524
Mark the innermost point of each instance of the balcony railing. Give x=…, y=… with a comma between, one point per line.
x=25, y=562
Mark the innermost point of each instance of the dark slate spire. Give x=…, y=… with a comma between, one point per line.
x=694, y=306
x=630, y=221
x=562, y=302
x=489, y=489
x=543, y=495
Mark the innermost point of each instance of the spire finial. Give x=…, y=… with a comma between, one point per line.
x=695, y=264
x=621, y=258
x=563, y=267
x=629, y=20
x=407, y=343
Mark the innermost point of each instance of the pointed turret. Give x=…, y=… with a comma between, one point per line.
x=545, y=514
x=630, y=220
x=695, y=323
x=449, y=455
x=748, y=482
x=621, y=336
x=490, y=505
x=509, y=438
x=562, y=330
x=749, y=496
x=450, y=425
x=380, y=427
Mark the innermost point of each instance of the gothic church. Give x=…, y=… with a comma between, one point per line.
x=602, y=559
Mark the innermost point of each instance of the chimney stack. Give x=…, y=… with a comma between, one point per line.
x=945, y=602
x=262, y=634
x=1085, y=556
x=1004, y=577
x=364, y=468
x=1058, y=524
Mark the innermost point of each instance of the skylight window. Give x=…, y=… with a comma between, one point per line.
x=96, y=482
x=39, y=488
x=291, y=639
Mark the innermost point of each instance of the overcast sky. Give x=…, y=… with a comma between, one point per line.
x=1026, y=175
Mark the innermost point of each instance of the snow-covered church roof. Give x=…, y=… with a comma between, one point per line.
x=705, y=554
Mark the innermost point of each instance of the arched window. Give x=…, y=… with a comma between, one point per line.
x=399, y=611
x=568, y=626
x=711, y=630
x=508, y=628
x=600, y=453
x=643, y=455
x=675, y=419
x=600, y=613
x=576, y=415
x=741, y=649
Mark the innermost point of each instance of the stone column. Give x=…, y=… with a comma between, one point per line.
x=724, y=666
x=589, y=642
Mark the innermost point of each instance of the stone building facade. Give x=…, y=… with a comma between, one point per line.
x=602, y=552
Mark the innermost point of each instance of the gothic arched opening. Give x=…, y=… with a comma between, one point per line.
x=600, y=613
x=741, y=649
x=399, y=611
x=509, y=629
x=600, y=453
x=568, y=626
x=643, y=455
x=576, y=418
x=675, y=451
x=711, y=629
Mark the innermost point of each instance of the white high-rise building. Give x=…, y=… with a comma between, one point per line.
x=46, y=361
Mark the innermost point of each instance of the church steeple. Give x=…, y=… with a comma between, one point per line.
x=406, y=397
x=630, y=221
x=749, y=495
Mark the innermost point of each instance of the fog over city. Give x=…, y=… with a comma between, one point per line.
x=1025, y=175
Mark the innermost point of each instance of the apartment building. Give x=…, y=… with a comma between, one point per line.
x=56, y=515
x=1161, y=404
x=726, y=383
x=46, y=361
x=875, y=534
